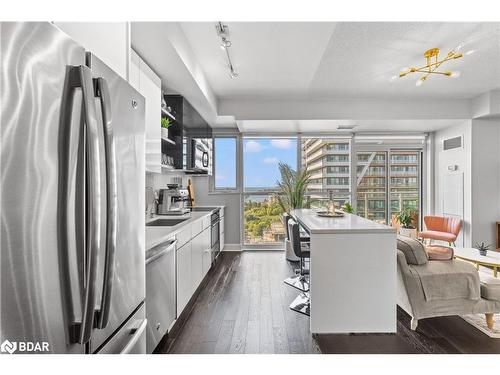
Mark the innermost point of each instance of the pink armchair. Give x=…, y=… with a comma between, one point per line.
x=441, y=228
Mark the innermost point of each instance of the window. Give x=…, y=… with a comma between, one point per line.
x=261, y=210
x=337, y=147
x=337, y=181
x=337, y=158
x=330, y=169
x=225, y=163
x=337, y=170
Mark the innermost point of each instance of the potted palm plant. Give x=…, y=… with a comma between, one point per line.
x=405, y=219
x=291, y=194
x=292, y=188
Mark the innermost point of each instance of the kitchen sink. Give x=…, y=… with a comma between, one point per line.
x=165, y=222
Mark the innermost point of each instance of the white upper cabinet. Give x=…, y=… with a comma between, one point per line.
x=109, y=41
x=145, y=80
x=134, y=70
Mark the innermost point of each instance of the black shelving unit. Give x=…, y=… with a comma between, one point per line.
x=188, y=124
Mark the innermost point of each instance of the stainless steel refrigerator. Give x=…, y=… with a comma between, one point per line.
x=72, y=197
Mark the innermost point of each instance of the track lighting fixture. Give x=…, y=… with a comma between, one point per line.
x=225, y=43
x=223, y=33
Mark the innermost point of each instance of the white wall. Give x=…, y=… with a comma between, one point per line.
x=485, y=169
x=479, y=161
x=462, y=158
x=109, y=41
x=232, y=212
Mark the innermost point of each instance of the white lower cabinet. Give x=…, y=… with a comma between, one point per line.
x=207, y=251
x=194, y=259
x=221, y=233
x=196, y=262
x=184, y=280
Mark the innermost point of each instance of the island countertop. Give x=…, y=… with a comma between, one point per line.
x=348, y=224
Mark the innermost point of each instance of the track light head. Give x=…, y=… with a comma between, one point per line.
x=225, y=43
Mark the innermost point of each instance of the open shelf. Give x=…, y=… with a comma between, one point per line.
x=166, y=113
x=168, y=167
x=168, y=140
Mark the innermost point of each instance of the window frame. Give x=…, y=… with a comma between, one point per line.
x=213, y=189
x=262, y=246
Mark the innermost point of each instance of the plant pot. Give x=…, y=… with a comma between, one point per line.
x=164, y=133
x=483, y=252
x=408, y=232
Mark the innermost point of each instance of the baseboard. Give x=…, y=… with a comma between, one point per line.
x=232, y=247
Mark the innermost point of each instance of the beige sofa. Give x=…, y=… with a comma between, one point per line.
x=431, y=288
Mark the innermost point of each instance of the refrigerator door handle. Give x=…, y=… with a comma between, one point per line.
x=82, y=78
x=137, y=335
x=102, y=91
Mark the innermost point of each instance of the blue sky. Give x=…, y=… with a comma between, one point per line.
x=225, y=161
x=261, y=158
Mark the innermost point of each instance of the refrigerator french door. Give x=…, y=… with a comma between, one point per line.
x=72, y=163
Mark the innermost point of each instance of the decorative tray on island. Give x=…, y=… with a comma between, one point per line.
x=330, y=214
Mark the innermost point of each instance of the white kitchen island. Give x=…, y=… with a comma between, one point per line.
x=352, y=275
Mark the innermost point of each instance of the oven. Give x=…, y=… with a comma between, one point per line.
x=215, y=233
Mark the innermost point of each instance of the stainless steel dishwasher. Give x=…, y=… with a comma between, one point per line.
x=160, y=291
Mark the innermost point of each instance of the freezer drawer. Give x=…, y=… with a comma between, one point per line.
x=130, y=338
x=160, y=292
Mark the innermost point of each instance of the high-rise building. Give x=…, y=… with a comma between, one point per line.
x=379, y=176
x=329, y=163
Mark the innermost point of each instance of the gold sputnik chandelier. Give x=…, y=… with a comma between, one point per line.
x=432, y=66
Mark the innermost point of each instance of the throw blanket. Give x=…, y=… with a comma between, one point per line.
x=448, y=280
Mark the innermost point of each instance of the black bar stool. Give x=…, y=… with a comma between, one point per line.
x=298, y=281
x=300, y=304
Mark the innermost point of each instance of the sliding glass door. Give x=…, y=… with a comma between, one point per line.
x=371, y=180
x=388, y=180
x=262, y=226
x=405, y=181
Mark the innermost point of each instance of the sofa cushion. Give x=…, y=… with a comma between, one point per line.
x=490, y=286
x=413, y=250
x=438, y=252
x=448, y=280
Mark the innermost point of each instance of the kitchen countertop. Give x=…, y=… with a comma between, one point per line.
x=347, y=224
x=157, y=235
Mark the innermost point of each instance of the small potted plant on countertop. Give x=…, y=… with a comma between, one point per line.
x=348, y=208
x=483, y=248
x=165, y=124
x=404, y=218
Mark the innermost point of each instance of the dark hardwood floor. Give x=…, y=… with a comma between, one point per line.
x=243, y=308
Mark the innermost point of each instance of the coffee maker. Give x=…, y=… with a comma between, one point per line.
x=173, y=201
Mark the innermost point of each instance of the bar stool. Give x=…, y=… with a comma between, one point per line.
x=298, y=281
x=300, y=304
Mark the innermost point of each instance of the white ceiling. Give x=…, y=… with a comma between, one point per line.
x=331, y=126
x=348, y=59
